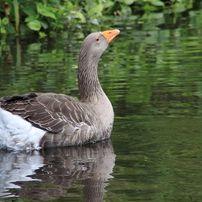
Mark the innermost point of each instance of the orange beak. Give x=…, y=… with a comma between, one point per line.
x=110, y=34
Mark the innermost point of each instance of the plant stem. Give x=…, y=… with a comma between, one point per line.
x=5, y=11
x=17, y=16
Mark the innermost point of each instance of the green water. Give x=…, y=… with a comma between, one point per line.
x=153, y=77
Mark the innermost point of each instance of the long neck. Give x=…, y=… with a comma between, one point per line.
x=89, y=85
x=91, y=91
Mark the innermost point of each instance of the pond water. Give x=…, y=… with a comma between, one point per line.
x=152, y=74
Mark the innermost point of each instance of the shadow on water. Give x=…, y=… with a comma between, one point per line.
x=57, y=172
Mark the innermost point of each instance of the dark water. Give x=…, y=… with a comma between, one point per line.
x=152, y=74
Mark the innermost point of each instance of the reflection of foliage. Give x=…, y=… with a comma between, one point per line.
x=150, y=71
x=157, y=73
x=35, y=71
x=24, y=16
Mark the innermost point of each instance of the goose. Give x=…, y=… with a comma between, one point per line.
x=38, y=120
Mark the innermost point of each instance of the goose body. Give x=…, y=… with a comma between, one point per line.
x=36, y=120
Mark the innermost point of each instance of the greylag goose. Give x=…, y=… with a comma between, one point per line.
x=36, y=120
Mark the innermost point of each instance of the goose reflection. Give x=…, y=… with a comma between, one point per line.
x=55, y=171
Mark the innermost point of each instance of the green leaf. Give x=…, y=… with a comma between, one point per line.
x=34, y=25
x=81, y=17
x=128, y=2
x=30, y=11
x=60, y=25
x=2, y=30
x=47, y=14
x=30, y=18
x=108, y=4
x=99, y=8
x=44, y=11
x=10, y=28
x=158, y=3
x=24, y=28
x=34, y=47
x=44, y=24
x=42, y=34
x=5, y=21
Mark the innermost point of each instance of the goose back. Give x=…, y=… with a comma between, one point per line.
x=66, y=120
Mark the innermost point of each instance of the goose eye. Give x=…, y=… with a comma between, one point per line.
x=97, y=39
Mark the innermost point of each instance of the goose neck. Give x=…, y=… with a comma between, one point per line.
x=89, y=85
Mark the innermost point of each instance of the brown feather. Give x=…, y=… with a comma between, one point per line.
x=40, y=109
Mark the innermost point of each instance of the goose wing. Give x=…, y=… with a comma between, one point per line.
x=49, y=111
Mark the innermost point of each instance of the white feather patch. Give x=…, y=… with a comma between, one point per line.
x=17, y=133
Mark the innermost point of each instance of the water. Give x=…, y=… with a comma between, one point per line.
x=152, y=74
x=64, y=172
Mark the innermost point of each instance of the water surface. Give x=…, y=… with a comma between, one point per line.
x=153, y=77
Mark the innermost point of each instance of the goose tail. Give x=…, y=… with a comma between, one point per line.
x=17, y=133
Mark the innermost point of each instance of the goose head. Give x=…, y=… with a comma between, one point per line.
x=94, y=45
x=92, y=48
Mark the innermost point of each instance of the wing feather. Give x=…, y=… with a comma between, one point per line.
x=48, y=111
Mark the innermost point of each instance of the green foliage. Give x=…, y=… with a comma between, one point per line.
x=19, y=16
x=3, y=23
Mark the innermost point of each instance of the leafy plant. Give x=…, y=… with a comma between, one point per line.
x=19, y=16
